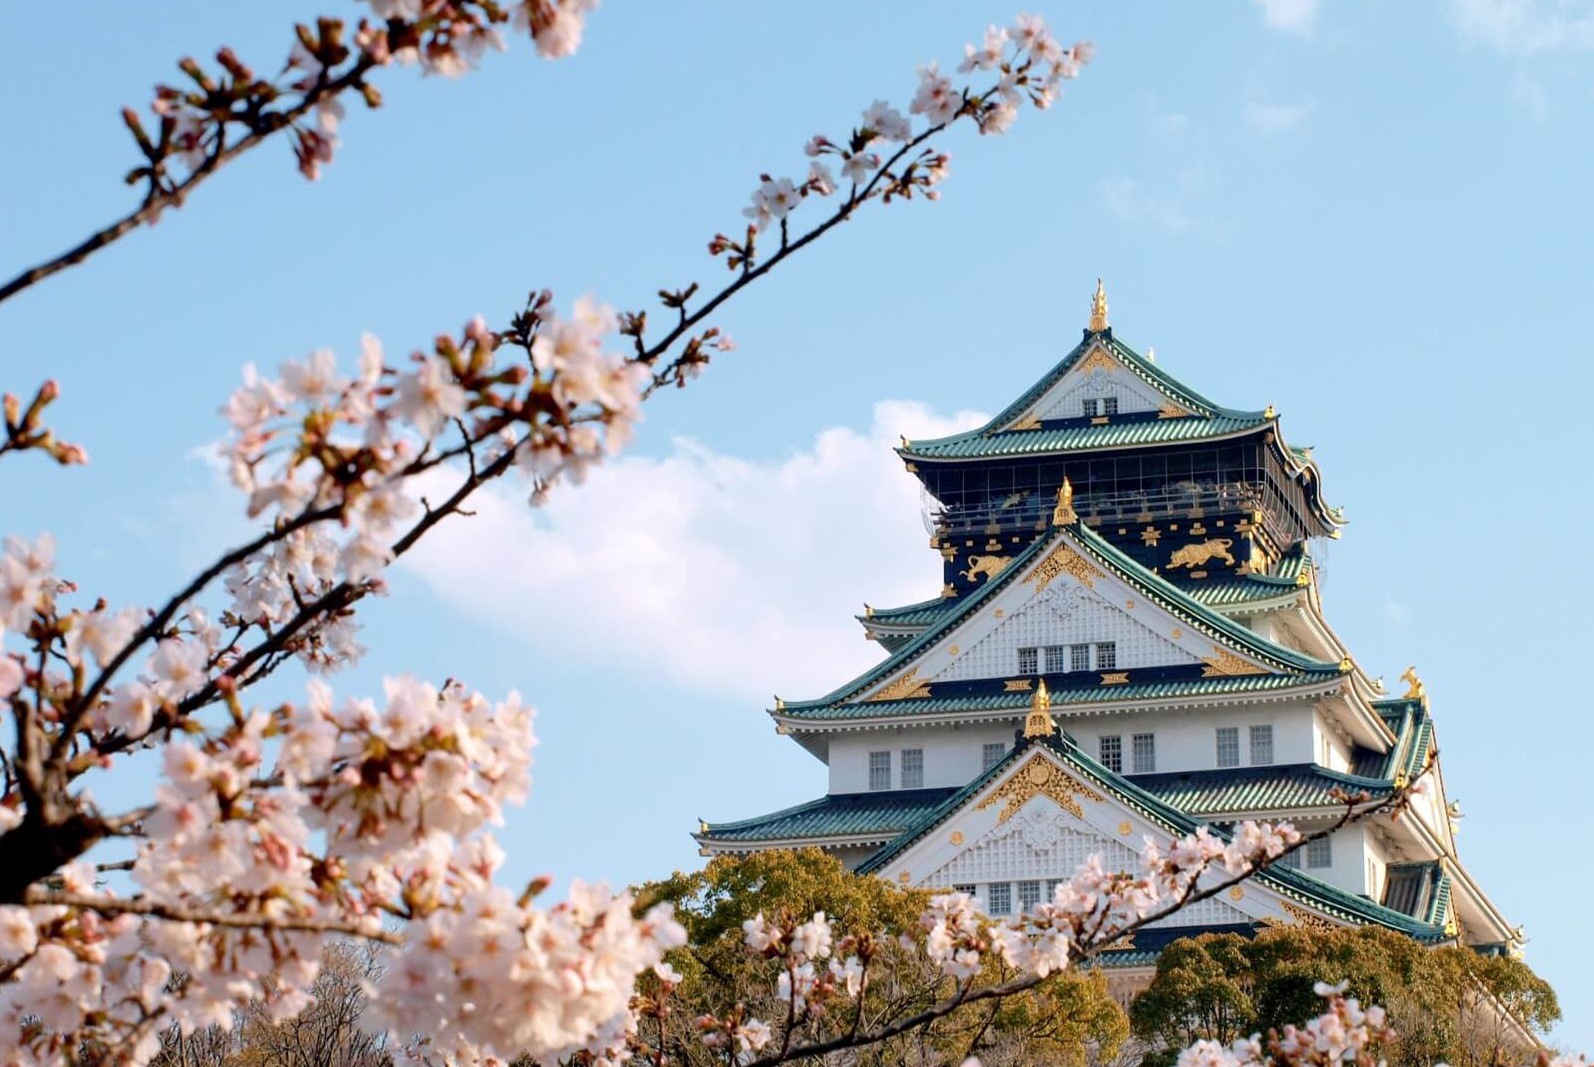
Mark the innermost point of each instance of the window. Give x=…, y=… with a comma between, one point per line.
x=1291, y=859
x=1079, y=657
x=1261, y=745
x=1320, y=853
x=1029, y=895
x=1029, y=661
x=1112, y=752
x=1145, y=753
x=1106, y=656
x=879, y=770
x=1056, y=659
x=912, y=768
x=966, y=890
x=1051, y=887
x=1228, y=746
x=1094, y=407
x=1001, y=898
x=991, y=755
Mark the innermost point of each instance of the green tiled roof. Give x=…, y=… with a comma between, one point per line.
x=1157, y=588
x=1292, y=883
x=1215, y=793
x=837, y=815
x=1207, y=419
x=980, y=444
x=1283, y=580
x=921, y=614
x=1060, y=697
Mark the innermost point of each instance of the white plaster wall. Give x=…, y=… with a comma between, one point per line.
x=1352, y=847
x=1332, y=750
x=1062, y=401
x=1186, y=741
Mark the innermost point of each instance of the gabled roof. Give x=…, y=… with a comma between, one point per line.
x=887, y=812
x=1099, y=551
x=1286, y=881
x=1188, y=417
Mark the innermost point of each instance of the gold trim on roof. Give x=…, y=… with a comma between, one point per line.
x=1063, y=560
x=1038, y=723
x=1040, y=777
x=908, y=686
x=1224, y=664
x=1063, y=514
x=1098, y=308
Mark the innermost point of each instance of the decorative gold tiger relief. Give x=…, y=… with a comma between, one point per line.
x=990, y=566
x=1196, y=555
x=1063, y=560
x=907, y=687
x=1039, y=777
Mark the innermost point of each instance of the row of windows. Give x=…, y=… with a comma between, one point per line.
x=1061, y=658
x=1142, y=751
x=1110, y=750
x=912, y=769
x=1260, y=739
x=1094, y=407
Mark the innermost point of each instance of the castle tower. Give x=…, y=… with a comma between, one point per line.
x=1136, y=560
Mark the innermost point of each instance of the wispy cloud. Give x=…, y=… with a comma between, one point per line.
x=1275, y=118
x=1524, y=27
x=1289, y=16
x=719, y=574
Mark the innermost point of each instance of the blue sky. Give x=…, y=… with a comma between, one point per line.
x=1371, y=214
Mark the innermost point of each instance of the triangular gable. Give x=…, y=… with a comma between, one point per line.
x=1046, y=808
x=1072, y=569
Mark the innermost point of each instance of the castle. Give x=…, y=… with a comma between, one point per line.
x=1132, y=561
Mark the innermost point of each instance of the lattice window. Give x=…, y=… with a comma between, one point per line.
x=1109, y=405
x=912, y=768
x=1056, y=659
x=1029, y=660
x=1145, y=752
x=1112, y=752
x=1261, y=746
x=1051, y=887
x=1228, y=746
x=1066, y=613
x=1106, y=655
x=1087, y=406
x=967, y=888
x=1079, y=657
x=991, y=754
x=879, y=770
x=1320, y=853
x=1291, y=859
x=1000, y=895
x=1029, y=895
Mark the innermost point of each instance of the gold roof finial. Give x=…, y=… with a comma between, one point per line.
x=1063, y=513
x=1038, y=723
x=1098, y=308
x=1416, y=690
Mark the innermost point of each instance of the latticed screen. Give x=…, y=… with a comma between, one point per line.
x=1029, y=895
x=1261, y=745
x=1228, y=746
x=912, y=768
x=1106, y=656
x=1145, y=753
x=1079, y=658
x=992, y=754
x=879, y=770
x=1029, y=661
x=1057, y=659
x=1320, y=853
x=1112, y=752
x=1001, y=898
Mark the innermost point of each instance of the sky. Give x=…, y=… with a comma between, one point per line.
x=1373, y=215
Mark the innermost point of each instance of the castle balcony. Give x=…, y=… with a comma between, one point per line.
x=1031, y=510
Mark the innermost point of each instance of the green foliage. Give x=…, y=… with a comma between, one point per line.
x=1065, y=1020
x=1447, y=1004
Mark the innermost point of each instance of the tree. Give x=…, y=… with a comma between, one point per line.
x=1446, y=1004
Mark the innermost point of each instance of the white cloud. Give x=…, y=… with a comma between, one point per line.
x=720, y=574
x=1275, y=118
x=1523, y=27
x=1289, y=16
